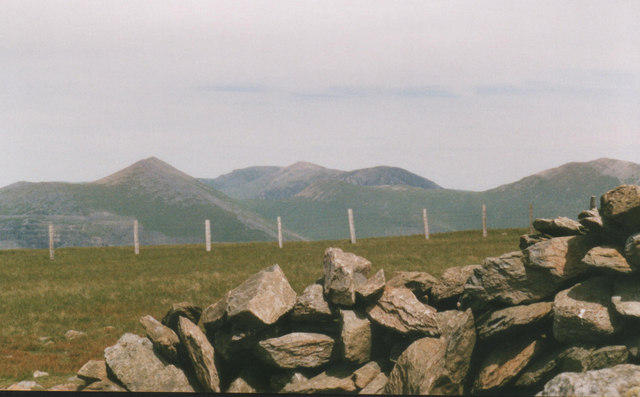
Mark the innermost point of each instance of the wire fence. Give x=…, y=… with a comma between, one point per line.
x=105, y=229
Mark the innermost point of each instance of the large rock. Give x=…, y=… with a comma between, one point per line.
x=626, y=296
x=459, y=334
x=297, y=350
x=504, y=364
x=420, y=283
x=622, y=207
x=93, y=371
x=335, y=380
x=398, y=309
x=182, y=309
x=133, y=362
x=201, y=354
x=372, y=287
x=343, y=273
x=584, y=312
x=560, y=256
x=262, y=299
x=558, y=227
x=513, y=319
x=163, y=338
x=355, y=336
x=587, y=357
x=621, y=380
x=418, y=368
x=450, y=286
x=505, y=280
x=608, y=259
x=311, y=305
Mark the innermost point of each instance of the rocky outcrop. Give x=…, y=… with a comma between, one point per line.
x=557, y=317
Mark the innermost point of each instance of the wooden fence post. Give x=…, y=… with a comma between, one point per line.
x=484, y=220
x=207, y=235
x=592, y=203
x=279, y=232
x=352, y=227
x=136, y=240
x=51, y=241
x=530, y=217
x=426, y=223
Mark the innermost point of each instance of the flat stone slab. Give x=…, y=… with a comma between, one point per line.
x=201, y=354
x=608, y=259
x=399, y=309
x=560, y=256
x=504, y=364
x=584, y=312
x=163, y=338
x=136, y=366
x=297, y=350
x=420, y=283
x=558, y=227
x=513, y=319
x=505, y=280
x=372, y=287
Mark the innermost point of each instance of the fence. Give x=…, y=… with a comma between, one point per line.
x=349, y=222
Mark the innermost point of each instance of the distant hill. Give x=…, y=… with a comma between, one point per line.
x=170, y=206
x=276, y=183
x=319, y=211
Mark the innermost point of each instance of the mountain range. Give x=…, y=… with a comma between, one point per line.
x=171, y=206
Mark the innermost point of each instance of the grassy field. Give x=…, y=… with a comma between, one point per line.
x=104, y=291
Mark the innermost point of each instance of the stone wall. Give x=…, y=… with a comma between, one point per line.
x=557, y=317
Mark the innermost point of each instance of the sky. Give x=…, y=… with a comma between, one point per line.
x=468, y=94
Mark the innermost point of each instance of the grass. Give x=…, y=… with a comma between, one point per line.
x=104, y=291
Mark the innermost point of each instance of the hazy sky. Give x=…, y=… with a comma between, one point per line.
x=470, y=94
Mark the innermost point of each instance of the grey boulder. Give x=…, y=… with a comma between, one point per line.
x=297, y=350
x=133, y=362
x=343, y=273
x=621, y=380
x=398, y=309
x=262, y=299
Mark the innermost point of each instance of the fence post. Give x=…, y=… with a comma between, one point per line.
x=207, y=234
x=530, y=217
x=592, y=203
x=51, y=241
x=352, y=227
x=426, y=223
x=279, y=232
x=484, y=220
x=136, y=240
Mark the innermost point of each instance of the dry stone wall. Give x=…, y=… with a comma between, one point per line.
x=558, y=317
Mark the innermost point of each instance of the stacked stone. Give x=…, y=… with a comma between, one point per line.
x=568, y=301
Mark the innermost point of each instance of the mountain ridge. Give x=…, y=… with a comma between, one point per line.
x=171, y=205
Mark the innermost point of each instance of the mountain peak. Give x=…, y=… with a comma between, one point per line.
x=304, y=165
x=151, y=168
